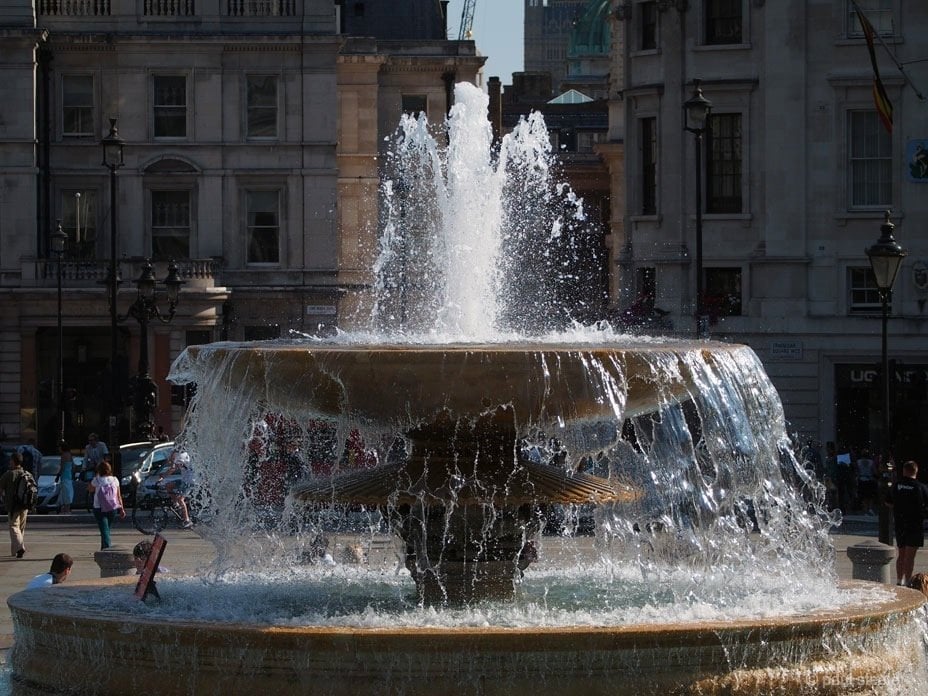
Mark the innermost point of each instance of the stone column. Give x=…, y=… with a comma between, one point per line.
x=871, y=561
x=115, y=562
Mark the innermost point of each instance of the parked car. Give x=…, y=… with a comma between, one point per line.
x=49, y=483
x=131, y=457
x=153, y=460
x=82, y=476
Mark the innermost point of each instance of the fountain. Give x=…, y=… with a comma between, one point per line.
x=475, y=429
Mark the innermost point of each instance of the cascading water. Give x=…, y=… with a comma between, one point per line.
x=579, y=511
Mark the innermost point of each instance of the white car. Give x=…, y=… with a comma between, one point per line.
x=49, y=483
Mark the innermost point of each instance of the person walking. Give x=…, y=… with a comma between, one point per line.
x=107, y=501
x=57, y=574
x=909, y=500
x=844, y=480
x=15, y=510
x=866, y=482
x=66, y=478
x=94, y=451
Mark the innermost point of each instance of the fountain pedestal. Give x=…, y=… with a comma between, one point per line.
x=465, y=504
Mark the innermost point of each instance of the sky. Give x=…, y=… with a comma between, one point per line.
x=497, y=33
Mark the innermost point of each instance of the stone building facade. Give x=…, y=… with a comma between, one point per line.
x=798, y=173
x=252, y=133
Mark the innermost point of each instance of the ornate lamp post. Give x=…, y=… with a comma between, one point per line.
x=113, y=159
x=145, y=310
x=58, y=242
x=696, y=112
x=885, y=259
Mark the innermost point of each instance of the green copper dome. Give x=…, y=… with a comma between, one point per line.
x=590, y=35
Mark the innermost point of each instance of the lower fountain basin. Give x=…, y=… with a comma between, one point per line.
x=859, y=649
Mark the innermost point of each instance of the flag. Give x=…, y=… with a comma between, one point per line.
x=884, y=107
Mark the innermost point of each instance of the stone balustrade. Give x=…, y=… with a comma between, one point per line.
x=168, y=8
x=75, y=273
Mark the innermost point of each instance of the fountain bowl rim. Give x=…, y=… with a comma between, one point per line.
x=903, y=600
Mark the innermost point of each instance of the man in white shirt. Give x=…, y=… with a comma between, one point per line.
x=59, y=572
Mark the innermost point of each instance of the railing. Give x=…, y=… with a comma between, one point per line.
x=74, y=8
x=169, y=8
x=261, y=8
x=91, y=272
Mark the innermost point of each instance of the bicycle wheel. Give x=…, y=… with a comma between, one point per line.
x=150, y=519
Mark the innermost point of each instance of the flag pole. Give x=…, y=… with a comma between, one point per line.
x=899, y=66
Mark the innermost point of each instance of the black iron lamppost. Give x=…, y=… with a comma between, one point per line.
x=113, y=147
x=58, y=242
x=885, y=259
x=696, y=112
x=145, y=310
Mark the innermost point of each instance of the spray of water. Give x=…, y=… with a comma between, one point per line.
x=476, y=249
x=479, y=241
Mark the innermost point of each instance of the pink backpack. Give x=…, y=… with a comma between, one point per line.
x=108, y=494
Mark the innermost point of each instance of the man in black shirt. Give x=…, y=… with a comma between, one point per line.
x=910, y=507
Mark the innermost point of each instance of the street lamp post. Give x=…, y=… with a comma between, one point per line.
x=885, y=259
x=696, y=112
x=113, y=159
x=144, y=310
x=58, y=242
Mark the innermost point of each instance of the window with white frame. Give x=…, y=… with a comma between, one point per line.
x=863, y=292
x=723, y=163
x=870, y=160
x=169, y=105
x=261, y=108
x=880, y=13
x=723, y=20
x=262, y=211
x=77, y=106
x=79, y=222
x=170, y=225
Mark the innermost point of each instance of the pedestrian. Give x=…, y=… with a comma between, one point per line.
x=919, y=582
x=32, y=458
x=844, y=480
x=107, y=500
x=15, y=510
x=140, y=553
x=831, y=475
x=866, y=481
x=909, y=501
x=66, y=478
x=57, y=574
x=94, y=451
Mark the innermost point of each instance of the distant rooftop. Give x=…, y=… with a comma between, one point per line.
x=571, y=96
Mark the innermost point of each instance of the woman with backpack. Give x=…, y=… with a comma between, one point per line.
x=107, y=500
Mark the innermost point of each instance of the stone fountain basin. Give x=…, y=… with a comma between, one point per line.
x=385, y=383
x=854, y=650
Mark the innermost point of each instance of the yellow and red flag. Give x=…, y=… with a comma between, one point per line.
x=884, y=107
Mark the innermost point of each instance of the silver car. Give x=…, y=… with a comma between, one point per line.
x=49, y=482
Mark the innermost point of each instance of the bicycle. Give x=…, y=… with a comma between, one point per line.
x=156, y=511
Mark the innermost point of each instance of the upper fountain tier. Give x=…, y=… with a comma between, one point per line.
x=384, y=384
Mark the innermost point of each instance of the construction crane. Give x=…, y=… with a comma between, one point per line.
x=466, y=33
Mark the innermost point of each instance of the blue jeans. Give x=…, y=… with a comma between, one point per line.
x=104, y=520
